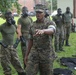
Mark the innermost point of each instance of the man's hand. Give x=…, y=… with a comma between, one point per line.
x=23, y=40
x=38, y=32
x=16, y=43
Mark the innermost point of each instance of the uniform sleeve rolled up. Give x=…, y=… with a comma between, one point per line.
x=52, y=27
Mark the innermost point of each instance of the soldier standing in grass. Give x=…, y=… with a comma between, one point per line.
x=40, y=54
x=67, y=19
x=59, y=35
x=9, y=54
x=24, y=23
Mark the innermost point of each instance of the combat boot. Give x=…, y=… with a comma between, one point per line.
x=63, y=42
x=61, y=49
x=57, y=51
x=24, y=66
x=67, y=43
x=21, y=73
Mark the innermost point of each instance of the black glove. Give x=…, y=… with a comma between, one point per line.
x=23, y=40
x=5, y=46
x=16, y=43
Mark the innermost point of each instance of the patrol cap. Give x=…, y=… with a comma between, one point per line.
x=40, y=8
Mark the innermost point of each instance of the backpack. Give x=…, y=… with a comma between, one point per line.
x=69, y=62
x=60, y=71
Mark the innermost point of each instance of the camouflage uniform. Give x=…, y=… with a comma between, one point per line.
x=25, y=25
x=67, y=17
x=42, y=54
x=59, y=35
x=9, y=55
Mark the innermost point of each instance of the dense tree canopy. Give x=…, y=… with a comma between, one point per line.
x=54, y=4
x=9, y=5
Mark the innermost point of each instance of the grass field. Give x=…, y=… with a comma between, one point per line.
x=69, y=51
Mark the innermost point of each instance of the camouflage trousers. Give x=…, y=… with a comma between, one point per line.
x=67, y=30
x=24, y=48
x=59, y=39
x=9, y=56
x=40, y=60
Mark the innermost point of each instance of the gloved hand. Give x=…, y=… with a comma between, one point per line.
x=16, y=43
x=5, y=46
x=23, y=40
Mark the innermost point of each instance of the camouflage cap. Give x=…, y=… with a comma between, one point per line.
x=40, y=8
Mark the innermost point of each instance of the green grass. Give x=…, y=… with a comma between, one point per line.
x=69, y=51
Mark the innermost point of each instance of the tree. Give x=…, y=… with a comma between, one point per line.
x=54, y=4
x=9, y=5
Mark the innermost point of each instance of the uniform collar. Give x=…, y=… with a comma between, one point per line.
x=41, y=21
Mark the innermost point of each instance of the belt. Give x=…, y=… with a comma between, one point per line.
x=38, y=48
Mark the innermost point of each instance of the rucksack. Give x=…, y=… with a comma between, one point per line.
x=60, y=71
x=69, y=62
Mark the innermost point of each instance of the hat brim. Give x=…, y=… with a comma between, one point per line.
x=39, y=10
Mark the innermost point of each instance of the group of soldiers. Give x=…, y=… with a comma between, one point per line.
x=63, y=28
x=36, y=41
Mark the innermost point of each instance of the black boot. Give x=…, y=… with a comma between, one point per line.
x=24, y=66
x=67, y=43
x=63, y=42
x=21, y=73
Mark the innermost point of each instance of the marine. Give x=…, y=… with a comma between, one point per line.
x=9, y=54
x=40, y=54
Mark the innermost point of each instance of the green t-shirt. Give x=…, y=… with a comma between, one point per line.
x=7, y=33
x=67, y=17
x=58, y=20
x=25, y=24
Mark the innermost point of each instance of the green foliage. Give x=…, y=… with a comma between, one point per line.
x=8, y=5
x=54, y=4
x=48, y=4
